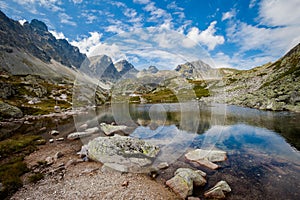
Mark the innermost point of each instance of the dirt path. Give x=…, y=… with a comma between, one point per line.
x=85, y=180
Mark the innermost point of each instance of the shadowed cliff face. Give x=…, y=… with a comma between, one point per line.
x=34, y=38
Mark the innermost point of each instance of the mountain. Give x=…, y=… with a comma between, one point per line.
x=273, y=86
x=102, y=67
x=197, y=70
x=35, y=39
x=124, y=67
x=151, y=69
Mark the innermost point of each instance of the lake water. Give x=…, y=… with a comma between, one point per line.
x=262, y=146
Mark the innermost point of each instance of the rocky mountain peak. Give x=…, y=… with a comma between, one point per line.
x=38, y=25
x=102, y=67
x=151, y=69
x=35, y=39
x=124, y=66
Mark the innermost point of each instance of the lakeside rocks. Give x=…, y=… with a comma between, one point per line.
x=122, y=150
x=206, y=157
x=218, y=191
x=184, y=180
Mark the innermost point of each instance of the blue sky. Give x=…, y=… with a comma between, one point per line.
x=240, y=34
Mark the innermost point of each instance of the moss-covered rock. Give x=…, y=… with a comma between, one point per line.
x=9, y=111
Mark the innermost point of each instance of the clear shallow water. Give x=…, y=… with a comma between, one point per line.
x=263, y=160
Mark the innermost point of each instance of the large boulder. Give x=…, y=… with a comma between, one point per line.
x=133, y=153
x=9, y=111
x=184, y=181
x=206, y=157
x=218, y=191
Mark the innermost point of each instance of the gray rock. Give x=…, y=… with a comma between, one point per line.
x=206, y=157
x=218, y=191
x=123, y=150
x=49, y=160
x=51, y=140
x=58, y=155
x=9, y=111
x=86, y=133
x=54, y=132
x=163, y=165
x=111, y=129
x=60, y=139
x=184, y=180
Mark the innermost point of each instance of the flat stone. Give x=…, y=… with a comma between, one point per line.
x=111, y=129
x=207, y=157
x=218, y=191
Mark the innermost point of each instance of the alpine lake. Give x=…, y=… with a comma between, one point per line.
x=262, y=146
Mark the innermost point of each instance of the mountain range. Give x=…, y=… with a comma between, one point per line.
x=34, y=65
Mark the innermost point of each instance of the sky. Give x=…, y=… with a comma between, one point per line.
x=241, y=34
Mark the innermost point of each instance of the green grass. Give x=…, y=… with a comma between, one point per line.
x=21, y=143
x=10, y=176
x=34, y=178
x=163, y=95
x=13, y=151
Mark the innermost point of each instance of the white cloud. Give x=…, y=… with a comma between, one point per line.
x=206, y=37
x=280, y=13
x=252, y=3
x=90, y=18
x=58, y=35
x=228, y=15
x=174, y=6
x=141, y=1
x=77, y=1
x=52, y=5
x=66, y=19
x=156, y=13
x=86, y=44
x=22, y=21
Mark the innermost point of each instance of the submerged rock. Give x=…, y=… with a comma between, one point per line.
x=122, y=150
x=111, y=129
x=206, y=157
x=218, y=191
x=184, y=180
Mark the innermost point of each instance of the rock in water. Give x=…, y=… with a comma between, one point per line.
x=218, y=191
x=122, y=150
x=206, y=157
x=111, y=129
x=184, y=180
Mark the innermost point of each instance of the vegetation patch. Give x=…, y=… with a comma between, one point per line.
x=12, y=152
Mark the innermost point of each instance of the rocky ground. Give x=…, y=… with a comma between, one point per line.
x=69, y=177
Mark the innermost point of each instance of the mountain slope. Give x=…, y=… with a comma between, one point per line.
x=35, y=39
x=273, y=86
x=197, y=70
